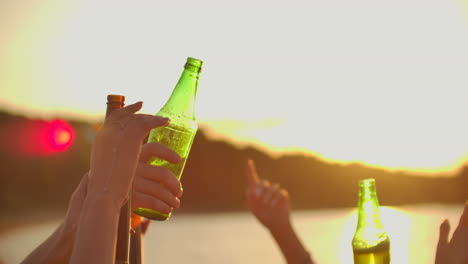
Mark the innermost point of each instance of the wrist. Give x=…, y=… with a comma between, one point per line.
x=292, y=248
x=280, y=227
x=108, y=191
x=102, y=201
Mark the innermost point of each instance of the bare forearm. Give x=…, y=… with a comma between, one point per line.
x=97, y=232
x=292, y=248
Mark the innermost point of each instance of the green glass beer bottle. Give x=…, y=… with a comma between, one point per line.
x=179, y=134
x=371, y=244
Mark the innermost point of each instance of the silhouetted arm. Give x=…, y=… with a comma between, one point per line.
x=271, y=206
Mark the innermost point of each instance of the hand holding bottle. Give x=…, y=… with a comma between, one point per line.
x=455, y=250
x=114, y=159
x=156, y=187
x=115, y=153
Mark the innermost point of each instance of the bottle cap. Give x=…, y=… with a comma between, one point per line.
x=114, y=98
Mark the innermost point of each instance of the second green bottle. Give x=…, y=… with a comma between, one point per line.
x=180, y=133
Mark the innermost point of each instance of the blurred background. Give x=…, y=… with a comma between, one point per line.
x=319, y=93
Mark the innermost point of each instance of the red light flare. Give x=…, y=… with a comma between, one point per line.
x=38, y=137
x=60, y=135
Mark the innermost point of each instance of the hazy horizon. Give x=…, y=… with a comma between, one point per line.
x=272, y=151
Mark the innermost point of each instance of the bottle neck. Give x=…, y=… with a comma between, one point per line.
x=114, y=102
x=183, y=97
x=368, y=207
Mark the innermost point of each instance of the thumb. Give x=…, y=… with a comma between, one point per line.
x=441, y=254
x=251, y=172
x=444, y=231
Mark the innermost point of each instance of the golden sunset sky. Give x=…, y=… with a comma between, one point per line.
x=379, y=82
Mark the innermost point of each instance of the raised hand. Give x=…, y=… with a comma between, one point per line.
x=114, y=159
x=271, y=206
x=116, y=150
x=94, y=206
x=268, y=202
x=455, y=250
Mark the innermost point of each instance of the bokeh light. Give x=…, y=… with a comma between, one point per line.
x=36, y=138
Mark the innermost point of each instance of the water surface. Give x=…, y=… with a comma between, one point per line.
x=230, y=238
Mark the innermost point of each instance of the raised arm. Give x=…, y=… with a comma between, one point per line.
x=114, y=159
x=153, y=187
x=270, y=204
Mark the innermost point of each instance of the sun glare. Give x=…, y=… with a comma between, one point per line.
x=397, y=224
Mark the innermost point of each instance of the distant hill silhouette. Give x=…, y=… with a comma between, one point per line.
x=214, y=176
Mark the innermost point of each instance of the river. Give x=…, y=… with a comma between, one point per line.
x=233, y=238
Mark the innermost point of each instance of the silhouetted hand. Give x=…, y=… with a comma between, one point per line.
x=271, y=206
x=268, y=202
x=455, y=250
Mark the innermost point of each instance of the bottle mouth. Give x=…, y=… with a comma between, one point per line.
x=115, y=98
x=193, y=64
x=367, y=182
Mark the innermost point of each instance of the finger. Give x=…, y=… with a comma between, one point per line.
x=132, y=108
x=142, y=124
x=255, y=193
x=139, y=126
x=441, y=254
x=251, y=172
x=152, y=121
x=156, y=191
x=261, y=188
x=147, y=201
x=444, y=231
x=160, y=175
x=125, y=111
x=270, y=192
x=279, y=196
x=154, y=149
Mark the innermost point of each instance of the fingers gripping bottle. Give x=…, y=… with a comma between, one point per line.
x=179, y=134
x=371, y=244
